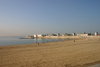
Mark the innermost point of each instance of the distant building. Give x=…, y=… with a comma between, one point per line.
x=65, y=34
x=84, y=34
x=73, y=34
x=96, y=33
x=53, y=34
x=35, y=36
x=69, y=34
x=89, y=34
x=58, y=34
x=41, y=35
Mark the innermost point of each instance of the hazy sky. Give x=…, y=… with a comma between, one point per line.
x=28, y=17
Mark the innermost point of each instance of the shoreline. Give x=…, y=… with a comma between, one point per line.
x=81, y=53
x=61, y=39
x=41, y=43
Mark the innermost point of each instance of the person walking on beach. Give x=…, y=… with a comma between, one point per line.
x=74, y=40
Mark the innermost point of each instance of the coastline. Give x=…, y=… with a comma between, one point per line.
x=81, y=53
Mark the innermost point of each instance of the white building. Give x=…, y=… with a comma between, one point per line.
x=73, y=34
x=96, y=33
x=83, y=34
x=58, y=34
x=35, y=35
x=65, y=34
x=41, y=35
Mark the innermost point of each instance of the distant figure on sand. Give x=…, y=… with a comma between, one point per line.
x=74, y=40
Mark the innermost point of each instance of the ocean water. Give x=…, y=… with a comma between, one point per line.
x=16, y=41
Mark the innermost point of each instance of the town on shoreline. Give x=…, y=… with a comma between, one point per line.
x=65, y=35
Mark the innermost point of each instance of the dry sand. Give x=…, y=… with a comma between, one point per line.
x=81, y=53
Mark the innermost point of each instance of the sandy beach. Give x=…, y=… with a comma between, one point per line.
x=81, y=53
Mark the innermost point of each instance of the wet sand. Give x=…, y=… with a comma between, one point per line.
x=81, y=53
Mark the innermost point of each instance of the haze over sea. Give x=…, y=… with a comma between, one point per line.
x=14, y=40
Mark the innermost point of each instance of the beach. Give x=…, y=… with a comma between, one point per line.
x=78, y=53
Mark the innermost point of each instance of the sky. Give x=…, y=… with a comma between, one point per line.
x=28, y=17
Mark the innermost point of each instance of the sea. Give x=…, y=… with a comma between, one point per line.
x=15, y=40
